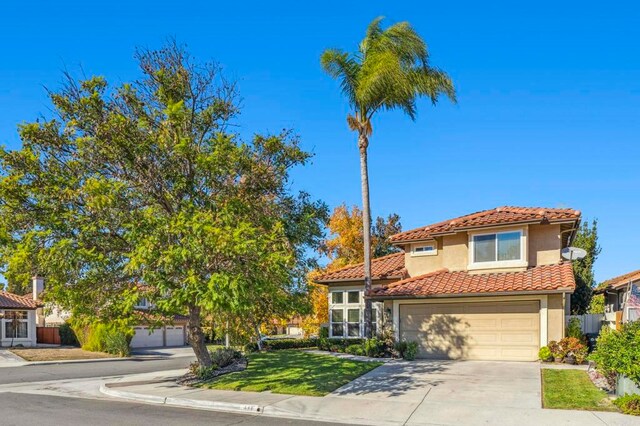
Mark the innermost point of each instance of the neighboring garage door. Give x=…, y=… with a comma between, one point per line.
x=175, y=336
x=507, y=331
x=142, y=338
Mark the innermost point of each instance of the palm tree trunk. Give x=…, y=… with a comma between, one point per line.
x=363, y=144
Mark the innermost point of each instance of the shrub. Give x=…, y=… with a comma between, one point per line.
x=280, y=344
x=324, y=333
x=618, y=352
x=224, y=357
x=545, y=353
x=337, y=344
x=629, y=404
x=202, y=373
x=373, y=347
x=401, y=348
x=67, y=335
x=411, y=351
x=355, y=350
x=574, y=329
x=100, y=337
x=557, y=351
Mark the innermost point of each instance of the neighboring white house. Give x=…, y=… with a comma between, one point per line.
x=17, y=320
x=172, y=333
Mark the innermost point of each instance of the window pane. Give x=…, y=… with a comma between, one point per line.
x=509, y=246
x=353, y=297
x=337, y=330
x=15, y=314
x=353, y=315
x=484, y=248
x=353, y=330
x=20, y=331
x=337, y=297
x=374, y=315
x=337, y=315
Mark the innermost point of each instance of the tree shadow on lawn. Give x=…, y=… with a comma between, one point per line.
x=293, y=372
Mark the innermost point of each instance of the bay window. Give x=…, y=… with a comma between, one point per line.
x=346, y=314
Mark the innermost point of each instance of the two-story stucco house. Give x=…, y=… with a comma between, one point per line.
x=490, y=285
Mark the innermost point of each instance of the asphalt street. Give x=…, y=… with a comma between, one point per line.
x=36, y=410
x=80, y=370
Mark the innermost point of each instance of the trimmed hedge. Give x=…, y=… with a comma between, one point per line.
x=338, y=344
x=280, y=344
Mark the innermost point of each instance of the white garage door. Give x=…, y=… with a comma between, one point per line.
x=507, y=331
x=175, y=336
x=142, y=338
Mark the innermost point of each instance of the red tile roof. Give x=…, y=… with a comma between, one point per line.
x=389, y=266
x=13, y=301
x=621, y=280
x=442, y=282
x=497, y=216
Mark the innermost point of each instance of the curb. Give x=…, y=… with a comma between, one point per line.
x=182, y=402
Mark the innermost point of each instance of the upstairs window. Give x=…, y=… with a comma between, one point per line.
x=424, y=250
x=498, y=247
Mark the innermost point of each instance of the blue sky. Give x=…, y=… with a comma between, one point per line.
x=548, y=111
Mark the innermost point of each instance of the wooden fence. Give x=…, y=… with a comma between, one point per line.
x=50, y=335
x=590, y=323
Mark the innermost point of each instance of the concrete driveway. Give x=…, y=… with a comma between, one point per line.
x=463, y=393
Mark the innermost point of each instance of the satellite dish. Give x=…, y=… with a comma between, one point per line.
x=573, y=253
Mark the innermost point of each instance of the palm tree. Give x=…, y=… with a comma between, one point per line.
x=389, y=70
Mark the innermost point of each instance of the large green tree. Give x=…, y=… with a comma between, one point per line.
x=141, y=187
x=390, y=70
x=587, y=239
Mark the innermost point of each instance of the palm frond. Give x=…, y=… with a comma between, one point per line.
x=340, y=65
x=390, y=71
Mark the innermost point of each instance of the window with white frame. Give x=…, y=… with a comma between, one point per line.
x=346, y=314
x=497, y=247
x=16, y=324
x=142, y=303
x=424, y=249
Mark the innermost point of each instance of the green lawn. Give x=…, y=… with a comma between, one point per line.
x=572, y=390
x=293, y=372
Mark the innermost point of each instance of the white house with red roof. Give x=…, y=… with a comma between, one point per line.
x=490, y=285
x=18, y=320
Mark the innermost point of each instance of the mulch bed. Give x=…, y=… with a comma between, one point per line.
x=191, y=379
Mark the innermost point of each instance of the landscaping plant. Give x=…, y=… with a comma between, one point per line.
x=411, y=351
x=574, y=329
x=629, y=404
x=545, y=354
x=618, y=352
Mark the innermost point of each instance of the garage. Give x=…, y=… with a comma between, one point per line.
x=500, y=331
x=175, y=335
x=160, y=337
x=144, y=338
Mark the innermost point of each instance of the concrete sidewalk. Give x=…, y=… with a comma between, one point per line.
x=9, y=359
x=397, y=393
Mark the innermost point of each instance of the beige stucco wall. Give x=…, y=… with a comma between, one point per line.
x=544, y=244
x=555, y=317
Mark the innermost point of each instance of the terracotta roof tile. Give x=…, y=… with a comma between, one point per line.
x=621, y=280
x=497, y=216
x=390, y=266
x=443, y=282
x=13, y=301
